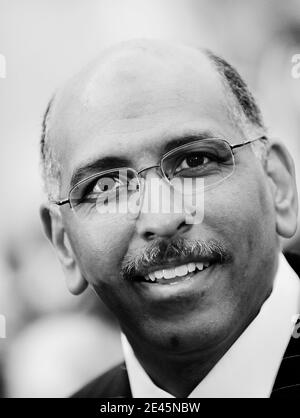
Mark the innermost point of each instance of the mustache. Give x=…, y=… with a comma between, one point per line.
x=163, y=251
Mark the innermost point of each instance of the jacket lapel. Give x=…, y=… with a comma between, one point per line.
x=287, y=383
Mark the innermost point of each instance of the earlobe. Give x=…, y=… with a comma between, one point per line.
x=56, y=233
x=76, y=283
x=281, y=172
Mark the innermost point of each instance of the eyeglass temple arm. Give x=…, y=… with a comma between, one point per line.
x=248, y=142
x=61, y=202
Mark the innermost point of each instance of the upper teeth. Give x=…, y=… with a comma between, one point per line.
x=178, y=271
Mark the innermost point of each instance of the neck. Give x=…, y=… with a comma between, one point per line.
x=179, y=373
x=179, y=376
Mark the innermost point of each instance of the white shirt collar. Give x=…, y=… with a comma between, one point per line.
x=250, y=366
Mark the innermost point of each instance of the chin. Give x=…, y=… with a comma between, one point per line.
x=190, y=335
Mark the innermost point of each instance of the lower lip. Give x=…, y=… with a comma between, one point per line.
x=182, y=286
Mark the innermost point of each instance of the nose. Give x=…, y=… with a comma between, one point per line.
x=161, y=214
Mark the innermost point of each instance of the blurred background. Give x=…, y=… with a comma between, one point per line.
x=56, y=342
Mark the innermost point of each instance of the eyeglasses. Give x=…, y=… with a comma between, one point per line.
x=211, y=160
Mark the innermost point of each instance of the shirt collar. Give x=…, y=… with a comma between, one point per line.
x=250, y=366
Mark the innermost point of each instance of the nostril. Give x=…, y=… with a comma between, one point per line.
x=149, y=235
x=183, y=227
x=166, y=231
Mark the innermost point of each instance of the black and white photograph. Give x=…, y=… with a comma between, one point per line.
x=149, y=228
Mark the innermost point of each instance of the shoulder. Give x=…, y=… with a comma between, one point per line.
x=112, y=384
x=287, y=383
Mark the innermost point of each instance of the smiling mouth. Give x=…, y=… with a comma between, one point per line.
x=173, y=275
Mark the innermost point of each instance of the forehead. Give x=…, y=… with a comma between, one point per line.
x=130, y=102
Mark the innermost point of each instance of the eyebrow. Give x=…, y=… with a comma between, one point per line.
x=109, y=162
x=93, y=167
x=186, y=139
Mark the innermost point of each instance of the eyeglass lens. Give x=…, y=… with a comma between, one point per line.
x=210, y=160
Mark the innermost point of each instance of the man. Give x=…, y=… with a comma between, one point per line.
x=206, y=303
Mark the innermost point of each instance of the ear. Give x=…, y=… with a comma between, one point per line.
x=281, y=172
x=56, y=233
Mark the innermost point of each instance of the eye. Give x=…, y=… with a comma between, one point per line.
x=193, y=161
x=104, y=185
x=99, y=187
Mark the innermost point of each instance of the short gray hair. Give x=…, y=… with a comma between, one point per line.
x=51, y=172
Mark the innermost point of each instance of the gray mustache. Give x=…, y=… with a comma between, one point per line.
x=162, y=251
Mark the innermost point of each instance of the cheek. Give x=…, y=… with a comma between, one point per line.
x=241, y=211
x=241, y=215
x=100, y=247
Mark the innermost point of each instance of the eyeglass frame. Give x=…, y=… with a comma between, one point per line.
x=232, y=147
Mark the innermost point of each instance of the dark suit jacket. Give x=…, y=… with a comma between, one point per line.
x=115, y=383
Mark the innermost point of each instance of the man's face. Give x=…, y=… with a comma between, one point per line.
x=132, y=108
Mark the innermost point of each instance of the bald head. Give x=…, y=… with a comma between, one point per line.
x=124, y=84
